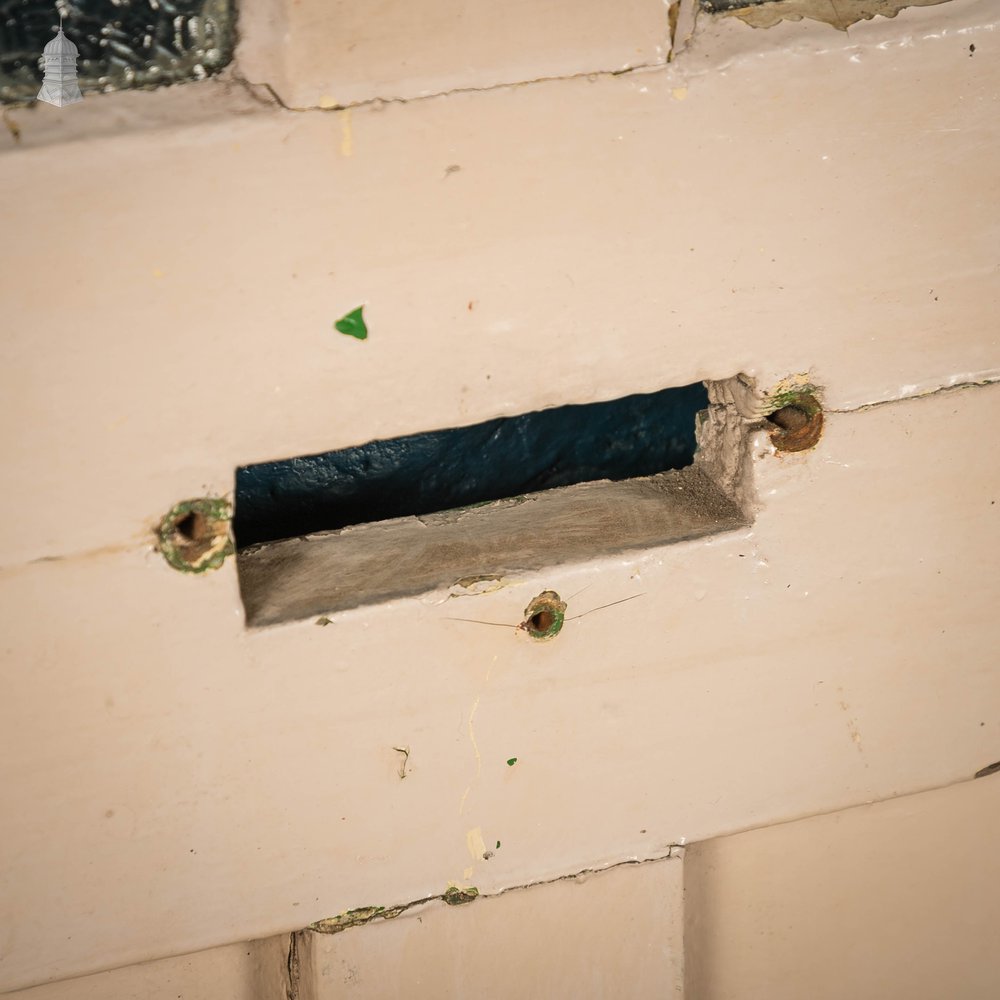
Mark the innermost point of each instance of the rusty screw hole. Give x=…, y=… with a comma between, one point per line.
x=797, y=424
x=789, y=418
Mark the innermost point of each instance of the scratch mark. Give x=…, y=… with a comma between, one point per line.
x=479, y=758
x=472, y=740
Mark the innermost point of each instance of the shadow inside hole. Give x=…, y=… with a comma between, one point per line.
x=192, y=528
x=637, y=435
x=798, y=425
x=542, y=621
x=789, y=418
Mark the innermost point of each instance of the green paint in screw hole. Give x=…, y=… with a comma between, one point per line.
x=353, y=324
x=194, y=535
x=544, y=616
x=512, y=761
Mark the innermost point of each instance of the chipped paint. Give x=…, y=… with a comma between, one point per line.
x=840, y=14
x=354, y=918
x=454, y=896
x=474, y=586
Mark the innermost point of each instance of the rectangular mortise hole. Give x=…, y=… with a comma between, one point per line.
x=321, y=533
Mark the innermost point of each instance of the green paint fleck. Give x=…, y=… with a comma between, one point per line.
x=353, y=324
x=323, y=620
x=456, y=897
x=511, y=761
x=498, y=845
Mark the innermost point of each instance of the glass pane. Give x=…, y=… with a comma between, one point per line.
x=124, y=44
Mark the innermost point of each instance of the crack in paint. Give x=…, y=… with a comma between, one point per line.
x=380, y=102
x=335, y=925
x=937, y=390
x=293, y=967
x=679, y=31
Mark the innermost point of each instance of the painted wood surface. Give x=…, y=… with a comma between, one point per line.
x=172, y=295
x=178, y=782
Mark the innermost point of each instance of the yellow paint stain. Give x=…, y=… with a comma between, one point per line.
x=679, y=93
x=476, y=845
x=326, y=102
x=157, y=273
x=466, y=874
x=346, y=135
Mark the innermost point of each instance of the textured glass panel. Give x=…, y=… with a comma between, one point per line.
x=124, y=44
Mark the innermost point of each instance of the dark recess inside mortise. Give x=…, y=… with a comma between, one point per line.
x=638, y=435
x=717, y=6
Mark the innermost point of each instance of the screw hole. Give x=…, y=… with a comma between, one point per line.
x=194, y=535
x=544, y=616
x=789, y=418
x=193, y=528
x=798, y=424
x=542, y=621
